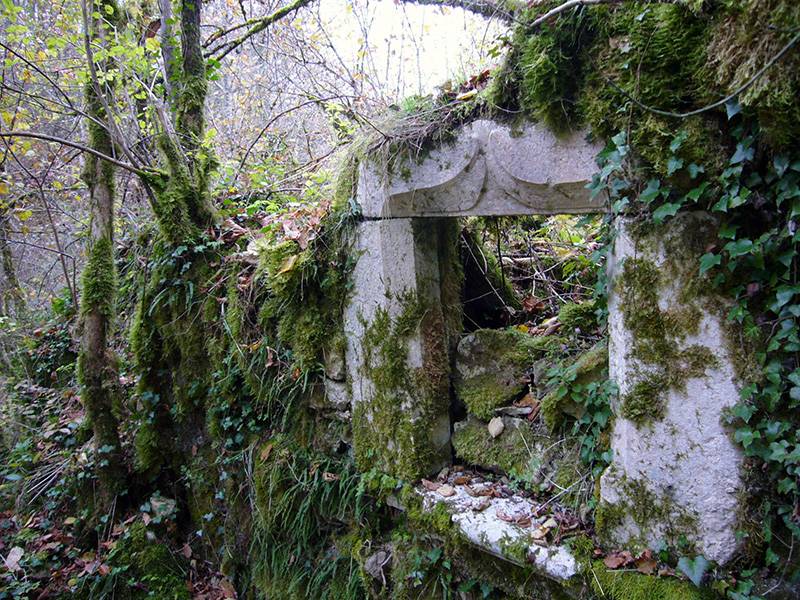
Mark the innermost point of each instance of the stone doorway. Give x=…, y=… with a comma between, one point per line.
x=401, y=337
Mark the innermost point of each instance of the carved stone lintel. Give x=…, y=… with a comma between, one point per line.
x=489, y=169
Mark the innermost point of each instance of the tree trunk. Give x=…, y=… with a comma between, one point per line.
x=96, y=363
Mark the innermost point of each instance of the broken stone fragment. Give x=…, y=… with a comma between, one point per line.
x=495, y=427
x=492, y=367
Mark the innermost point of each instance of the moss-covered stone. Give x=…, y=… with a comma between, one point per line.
x=658, y=334
x=647, y=511
x=492, y=367
x=627, y=585
x=153, y=570
x=588, y=367
x=511, y=580
x=578, y=316
x=396, y=428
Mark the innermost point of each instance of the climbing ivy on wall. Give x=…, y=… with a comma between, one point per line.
x=698, y=104
x=756, y=197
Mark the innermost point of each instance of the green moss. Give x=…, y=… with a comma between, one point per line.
x=396, y=430
x=510, y=452
x=648, y=511
x=151, y=566
x=657, y=335
x=626, y=585
x=573, y=315
x=516, y=579
x=99, y=279
x=492, y=369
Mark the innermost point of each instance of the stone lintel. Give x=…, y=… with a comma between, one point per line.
x=478, y=520
x=489, y=169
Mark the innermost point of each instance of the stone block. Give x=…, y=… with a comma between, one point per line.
x=479, y=521
x=676, y=469
x=488, y=169
x=397, y=348
x=492, y=367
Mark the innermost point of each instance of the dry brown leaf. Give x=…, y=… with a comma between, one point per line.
x=446, y=490
x=430, y=485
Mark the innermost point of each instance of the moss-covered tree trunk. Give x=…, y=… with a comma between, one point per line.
x=96, y=363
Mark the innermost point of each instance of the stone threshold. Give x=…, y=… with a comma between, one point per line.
x=491, y=524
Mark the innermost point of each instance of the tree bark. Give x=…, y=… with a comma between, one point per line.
x=96, y=364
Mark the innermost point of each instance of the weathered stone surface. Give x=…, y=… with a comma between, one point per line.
x=491, y=368
x=676, y=470
x=495, y=427
x=489, y=169
x=396, y=357
x=337, y=395
x=478, y=521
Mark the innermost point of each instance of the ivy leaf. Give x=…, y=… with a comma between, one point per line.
x=695, y=193
x=781, y=163
x=740, y=198
x=783, y=295
x=744, y=411
x=739, y=247
x=743, y=152
x=746, y=437
x=709, y=261
x=673, y=164
x=732, y=108
x=693, y=569
x=651, y=192
x=728, y=231
x=778, y=451
x=665, y=210
x=677, y=141
x=695, y=170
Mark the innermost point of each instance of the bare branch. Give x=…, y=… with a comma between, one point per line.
x=254, y=26
x=486, y=8
x=49, y=138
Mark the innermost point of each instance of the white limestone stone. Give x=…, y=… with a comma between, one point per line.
x=489, y=169
x=485, y=529
x=396, y=257
x=687, y=461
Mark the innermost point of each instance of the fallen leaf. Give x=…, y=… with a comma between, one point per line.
x=647, y=567
x=481, y=505
x=446, y=490
x=431, y=486
x=533, y=304
x=615, y=560
x=288, y=263
x=461, y=479
x=539, y=533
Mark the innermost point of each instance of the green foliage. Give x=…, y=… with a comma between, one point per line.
x=625, y=585
x=752, y=260
x=306, y=506
x=584, y=383
x=51, y=354
x=140, y=567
